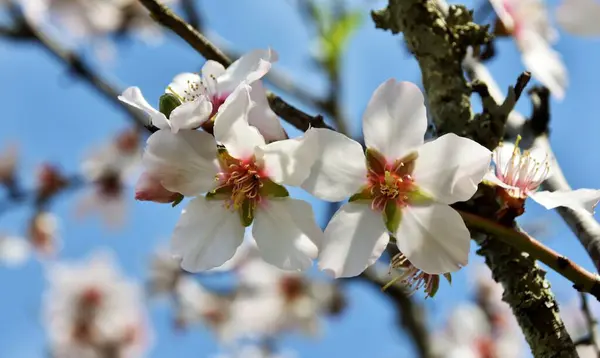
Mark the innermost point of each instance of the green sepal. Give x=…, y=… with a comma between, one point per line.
x=177, y=200
x=167, y=103
x=419, y=197
x=364, y=194
x=219, y=193
x=448, y=277
x=435, y=286
x=273, y=190
x=225, y=159
x=392, y=215
x=246, y=212
x=406, y=165
x=375, y=161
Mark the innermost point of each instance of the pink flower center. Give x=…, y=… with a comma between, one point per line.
x=217, y=101
x=241, y=180
x=394, y=184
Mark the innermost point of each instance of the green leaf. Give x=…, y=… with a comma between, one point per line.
x=392, y=215
x=178, y=200
x=167, y=103
x=271, y=189
x=344, y=27
x=247, y=212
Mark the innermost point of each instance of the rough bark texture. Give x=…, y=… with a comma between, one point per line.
x=439, y=43
x=528, y=293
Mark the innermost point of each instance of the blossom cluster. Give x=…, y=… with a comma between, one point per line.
x=265, y=303
x=220, y=144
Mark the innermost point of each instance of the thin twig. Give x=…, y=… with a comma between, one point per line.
x=208, y=50
x=583, y=225
x=192, y=14
x=583, y=280
x=25, y=30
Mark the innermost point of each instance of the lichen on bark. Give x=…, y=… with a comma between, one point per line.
x=439, y=42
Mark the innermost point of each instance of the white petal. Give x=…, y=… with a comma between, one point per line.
x=288, y=162
x=544, y=63
x=206, y=235
x=210, y=72
x=395, y=120
x=14, y=251
x=232, y=128
x=450, y=168
x=262, y=117
x=503, y=14
x=579, y=17
x=184, y=162
x=286, y=233
x=190, y=115
x=340, y=170
x=133, y=97
x=580, y=199
x=434, y=238
x=248, y=68
x=185, y=84
x=492, y=178
x=354, y=239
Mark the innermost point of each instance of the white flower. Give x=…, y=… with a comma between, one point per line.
x=43, y=233
x=109, y=169
x=91, y=308
x=521, y=174
x=198, y=305
x=14, y=251
x=201, y=96
x=165, y=273
x=402, y=186
x=528, y=22
x=244, y=186
x=579, y=17
x=80, y=18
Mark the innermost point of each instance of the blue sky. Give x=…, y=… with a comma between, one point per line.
x=54, y=117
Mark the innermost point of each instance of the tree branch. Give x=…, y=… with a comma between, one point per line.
x=25, y=30
x=208, y=50
x=409, y=315
x=583, y=225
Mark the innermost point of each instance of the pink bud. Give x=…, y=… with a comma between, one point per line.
x=149, y=188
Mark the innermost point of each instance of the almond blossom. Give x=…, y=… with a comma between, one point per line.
x=528, y=22
x=90, y=309
x=109, y=169
x=243, y=179
x=192, y=99
x=520, y=174
x=399, y=186
x=579, y=17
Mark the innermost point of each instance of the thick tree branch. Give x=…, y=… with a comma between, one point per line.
x=208, y=50
x=439, y=44
x=528, y=293
x=583, y=225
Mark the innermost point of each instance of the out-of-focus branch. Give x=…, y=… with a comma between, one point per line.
x=592, y=326
x=192, y=14
x=409, y=315
x=208, y=50
x=25, y=30
x=533, y=134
